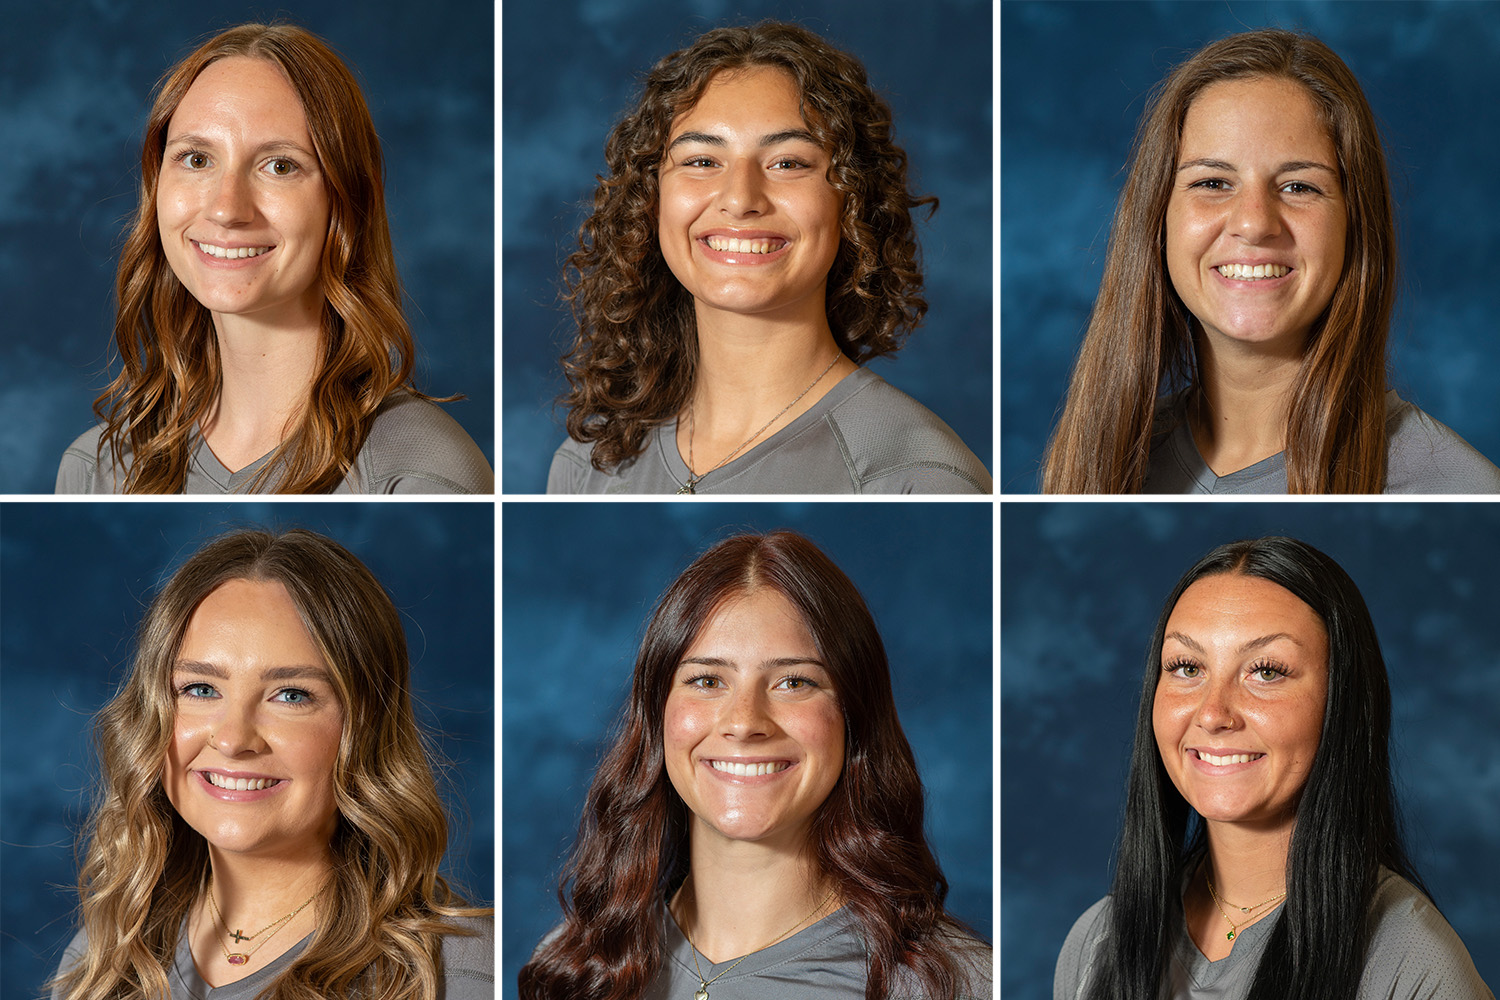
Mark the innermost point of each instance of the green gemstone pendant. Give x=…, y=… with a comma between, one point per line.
x=1229, y=936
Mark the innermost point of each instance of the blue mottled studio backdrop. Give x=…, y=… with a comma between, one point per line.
x=1081, y=587
x=1073, y=81
x=75, y=580
x=75, y=87
x=578, y=585
x=571, y=68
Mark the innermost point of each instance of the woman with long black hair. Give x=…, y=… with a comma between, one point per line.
x=1261, y=855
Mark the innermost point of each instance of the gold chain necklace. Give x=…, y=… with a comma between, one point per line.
x=242, y=957
x=1233, y=927
x=693, y=479
x=702, y=992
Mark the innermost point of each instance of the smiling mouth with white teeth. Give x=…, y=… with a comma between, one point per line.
x=749, y=770
x=1247, y=272
x=239, y=784
x=1234, y=758
x=230, y=253
x=730, y=245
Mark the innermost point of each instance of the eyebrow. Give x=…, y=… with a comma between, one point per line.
x=275, y=146
x=770, y=139
x=775, y=664
x=1291, y=166
x=294, y=672
x=1251, y=646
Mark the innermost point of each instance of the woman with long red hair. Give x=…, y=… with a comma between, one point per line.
x=259, y=324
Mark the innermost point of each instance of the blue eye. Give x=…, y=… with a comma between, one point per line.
x=198, y=689
x=294, y=696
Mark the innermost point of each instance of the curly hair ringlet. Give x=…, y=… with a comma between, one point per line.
x=383, y=916
x=170, y=368
x=1139, y=345
x=632, y=362
x=632, y=849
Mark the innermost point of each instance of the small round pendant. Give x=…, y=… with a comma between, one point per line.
x=237, y=958
x=701, y=995
x=1229, y=936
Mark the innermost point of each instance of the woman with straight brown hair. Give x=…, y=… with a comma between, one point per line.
x=259, y=320
x=755, y=830
x=1238, y=343
x=267, y=823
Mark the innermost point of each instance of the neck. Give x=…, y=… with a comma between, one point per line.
x=749, y=372
x=1248, y=868
x=1240, y=410
x=1247, y=865
x=743, y=898
x=257, y=890
x=267, y=375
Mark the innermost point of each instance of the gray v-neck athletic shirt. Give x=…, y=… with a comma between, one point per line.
x=823, y=962
x=467, y=973
x=1413, y=954
x=863, y=436
x=412, y=447
x=1424, y=456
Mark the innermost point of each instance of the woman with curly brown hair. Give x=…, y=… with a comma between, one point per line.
x=1238, y=342
x=267, y=822
x=750, y=250
x=259, y=320
x=755, y=831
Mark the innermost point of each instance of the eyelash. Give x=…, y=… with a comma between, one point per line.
x=784, y=162
x=1206, y=183
x=305, y=697
x=1182, y=663
x=293, y=164
x=799, y=679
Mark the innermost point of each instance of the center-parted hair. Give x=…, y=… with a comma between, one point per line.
x=170, y=369
x=381, y=919
x=1346, y=826
x=632, y=362
x=1140, y=340
x=632, y=850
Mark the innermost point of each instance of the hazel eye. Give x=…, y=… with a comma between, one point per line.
x=282, y=167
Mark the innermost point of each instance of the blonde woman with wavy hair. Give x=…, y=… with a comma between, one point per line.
x=1238, y=343
x=259, y=321
x=267, y=821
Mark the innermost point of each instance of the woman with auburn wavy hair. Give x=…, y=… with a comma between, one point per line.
x=751, y=248
x=267, y=822
x=259, y=321
x=1238, y=343
x=1261, y=853
x=756, y=829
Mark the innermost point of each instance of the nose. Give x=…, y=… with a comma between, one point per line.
x=237, y=733
x=1218, y=712
x=745, y=716
x=744, y=192
x=1255, y=215
x=233, y=203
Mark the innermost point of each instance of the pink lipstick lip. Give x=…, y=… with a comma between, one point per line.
x=748, y=779
x=737, y=257
x=250, y=775
x=1252, y=284
x=1196, y=761
x=232, y=262
x=230, y=795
